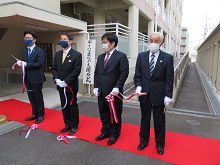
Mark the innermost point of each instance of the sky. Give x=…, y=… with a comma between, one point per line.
x=194, y=17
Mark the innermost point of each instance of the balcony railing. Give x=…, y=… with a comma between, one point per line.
x=122, y=32
x=142, y=42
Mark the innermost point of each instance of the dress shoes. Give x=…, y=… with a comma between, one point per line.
x=39, y=119
x=31, y=118
x=141, y=146
x=101, y=137
x=160, y=150
x=72, y=131
x=65, y=129
x=112, y=140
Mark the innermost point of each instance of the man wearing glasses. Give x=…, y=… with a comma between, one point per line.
x=33, y=61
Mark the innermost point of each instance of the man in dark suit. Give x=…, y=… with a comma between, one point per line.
x=33, y=60
x=111, y=72
x=154, y=74
x=66, y=70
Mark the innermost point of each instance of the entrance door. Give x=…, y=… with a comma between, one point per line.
x=47, y=47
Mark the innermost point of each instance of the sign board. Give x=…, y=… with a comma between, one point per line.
x=89, y=62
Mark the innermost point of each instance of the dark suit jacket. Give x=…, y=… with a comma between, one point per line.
x=34, y=69
x=114, y=74
x=70, y=70
x=160, y=84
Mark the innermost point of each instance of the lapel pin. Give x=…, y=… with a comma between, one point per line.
x=160, y=61
x=69, y=61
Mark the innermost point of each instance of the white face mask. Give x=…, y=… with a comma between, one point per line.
x=154, y=47
x=105, y=47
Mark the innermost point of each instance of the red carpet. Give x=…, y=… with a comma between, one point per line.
x=180, y=148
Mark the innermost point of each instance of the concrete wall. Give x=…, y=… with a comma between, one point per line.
x=50, y=5
x=208, y=58
x=11, y=43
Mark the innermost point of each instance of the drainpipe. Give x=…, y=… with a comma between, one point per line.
x=74, y=11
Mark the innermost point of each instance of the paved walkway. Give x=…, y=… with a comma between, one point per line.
x=191, y=95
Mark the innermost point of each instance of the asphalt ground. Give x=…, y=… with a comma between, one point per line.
x=41, y=147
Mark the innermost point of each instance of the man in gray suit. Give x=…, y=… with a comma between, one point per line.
x=154, y=74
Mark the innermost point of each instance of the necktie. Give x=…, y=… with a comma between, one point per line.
x=64, y=56
x=106, y=59
x=152, y=63
x=29, y=52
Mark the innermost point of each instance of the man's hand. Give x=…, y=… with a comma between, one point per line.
x=114, y=91
x=61, y=84
x=96, y=91
x=167, y=100
x=138, y=89
x=19, y=63
x=57, y=81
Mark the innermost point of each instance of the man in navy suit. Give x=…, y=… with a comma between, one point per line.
x=33, y=60
x=154, y=74
x=111, y=72
x=66, y=70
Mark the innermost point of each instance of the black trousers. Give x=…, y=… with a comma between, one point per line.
x=112, y=129
x=70, y=112
x=35, y=96
x=159, y=123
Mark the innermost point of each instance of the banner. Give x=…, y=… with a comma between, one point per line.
x=89, y=62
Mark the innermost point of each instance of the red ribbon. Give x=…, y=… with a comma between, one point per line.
x=129, y=97
x=23, y=130
x=111, y=103
x=112, y=109
x=63, y=138
x=71, y=90
x=28, y=130
x=23, y=76
x=71, y=101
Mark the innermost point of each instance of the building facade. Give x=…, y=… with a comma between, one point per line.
x=132, y=21
x=184, y=41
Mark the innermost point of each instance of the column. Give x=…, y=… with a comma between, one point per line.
x=133, y=23
x=99, y=16
x=166, y=41
x=150, y=28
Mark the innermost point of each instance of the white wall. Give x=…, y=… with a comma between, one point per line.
x=50, y=5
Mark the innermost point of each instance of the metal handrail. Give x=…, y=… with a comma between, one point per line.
x=179, y=69
x=117, y=28
x=142, y=37
x=179, y=72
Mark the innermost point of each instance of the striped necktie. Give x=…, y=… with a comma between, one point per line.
x=152, y=64
x=106, y=59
